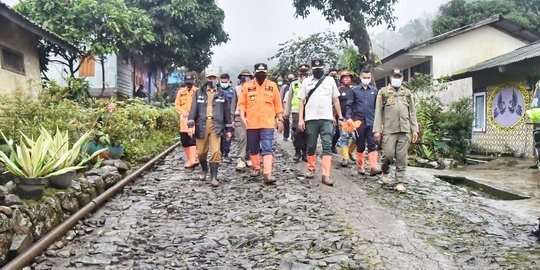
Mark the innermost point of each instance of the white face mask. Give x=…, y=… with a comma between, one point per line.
x=280, y=83
x=366, y=81
x=396, y=82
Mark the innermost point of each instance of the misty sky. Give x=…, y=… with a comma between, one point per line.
x=256, y=27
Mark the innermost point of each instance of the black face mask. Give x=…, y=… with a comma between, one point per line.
x=189, y=85
x=318, y=73
x=260, y=77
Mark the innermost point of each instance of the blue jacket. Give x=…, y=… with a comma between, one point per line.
x=361, y=106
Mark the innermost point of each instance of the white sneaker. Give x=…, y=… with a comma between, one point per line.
x=249, y=163
x=240, y=164
x=385, y=179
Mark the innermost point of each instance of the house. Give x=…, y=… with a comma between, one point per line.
x=123, y=75
x=440, y=56
x=19, y=59
x=503, y=88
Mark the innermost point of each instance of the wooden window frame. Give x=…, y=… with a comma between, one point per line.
x=3, y=65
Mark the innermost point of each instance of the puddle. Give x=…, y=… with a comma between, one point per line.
x=484, y=190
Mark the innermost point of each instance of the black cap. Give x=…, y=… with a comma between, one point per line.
x=396, y=72
x=304, y=67
x=317, y=63
x=260, y=67
x=189, y=78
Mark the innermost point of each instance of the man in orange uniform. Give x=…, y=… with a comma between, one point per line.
x=260, y=106
x=183, y=105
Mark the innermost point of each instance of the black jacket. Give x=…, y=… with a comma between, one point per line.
x=221, y=109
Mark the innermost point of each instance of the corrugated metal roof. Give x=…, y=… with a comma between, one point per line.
x=34, y=28
x=496, y=21
x=524, y=53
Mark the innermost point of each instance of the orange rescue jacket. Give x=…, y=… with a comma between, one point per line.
x=261, y=104
x=182, y=103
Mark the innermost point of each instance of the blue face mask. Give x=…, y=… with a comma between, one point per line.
x=224, y=85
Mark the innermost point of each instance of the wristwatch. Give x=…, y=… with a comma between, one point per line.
x=341, y=119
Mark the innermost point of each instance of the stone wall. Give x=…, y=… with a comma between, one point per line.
x=23, y=222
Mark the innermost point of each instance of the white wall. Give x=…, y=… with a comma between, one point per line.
x=463, y=51
x=59, y=73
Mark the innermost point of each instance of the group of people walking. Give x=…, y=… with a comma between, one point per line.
x=309, y=105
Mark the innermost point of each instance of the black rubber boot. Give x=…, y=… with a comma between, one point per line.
x=297, y=155
x=214, y=166
x=304, y=155
x=204, y=169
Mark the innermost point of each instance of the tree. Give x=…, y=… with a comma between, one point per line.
x=185, y=30
x=293, y=53
x=458, y=13
x=96, y=27
x=359, y=15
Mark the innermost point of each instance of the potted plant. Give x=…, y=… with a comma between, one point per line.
x=32, y=163
x=59, y=148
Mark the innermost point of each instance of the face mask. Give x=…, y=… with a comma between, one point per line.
x=318, y=73
x=366, y=81
x=224, y=85
x=346, y=80
x=396, y=82
x=260, y=77
x=189, y=85
x=280, y=83
x=212, y=84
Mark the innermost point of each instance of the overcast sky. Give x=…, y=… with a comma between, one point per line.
x=257, y=27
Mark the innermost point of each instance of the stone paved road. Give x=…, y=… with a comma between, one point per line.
x=169, y=220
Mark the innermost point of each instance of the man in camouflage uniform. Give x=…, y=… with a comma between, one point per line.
x=395, y=119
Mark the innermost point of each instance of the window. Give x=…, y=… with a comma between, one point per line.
x=424, y=68
x=381, y=83
x=12, y=61
x=479, y=103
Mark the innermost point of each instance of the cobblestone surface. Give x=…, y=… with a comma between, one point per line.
x=458, y=222
x=169, y=220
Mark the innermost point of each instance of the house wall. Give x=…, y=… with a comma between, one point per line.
x=124, y=83
x=499, y=139
x=60, y=73
x=17, y=39
x=463, y=51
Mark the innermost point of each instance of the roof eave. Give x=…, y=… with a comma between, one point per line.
x=32, y=28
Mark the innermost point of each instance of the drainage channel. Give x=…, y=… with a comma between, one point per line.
x=484, y=190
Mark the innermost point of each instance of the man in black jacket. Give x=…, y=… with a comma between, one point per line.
x=209, y=117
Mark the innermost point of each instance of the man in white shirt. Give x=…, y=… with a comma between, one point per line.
x=319, y=97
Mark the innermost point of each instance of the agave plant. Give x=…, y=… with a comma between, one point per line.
x=45, y=156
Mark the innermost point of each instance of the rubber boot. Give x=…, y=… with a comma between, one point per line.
x=255, y=165
x=304, y=155
x=191, y=153
x=360, y=161
x=352, y=148
x=214, y=166
x=297, y=155
x=267, y=169
x=326, y=167
x=311, y=165
x=204, y=169
x=345, y=155
x=373, y=164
